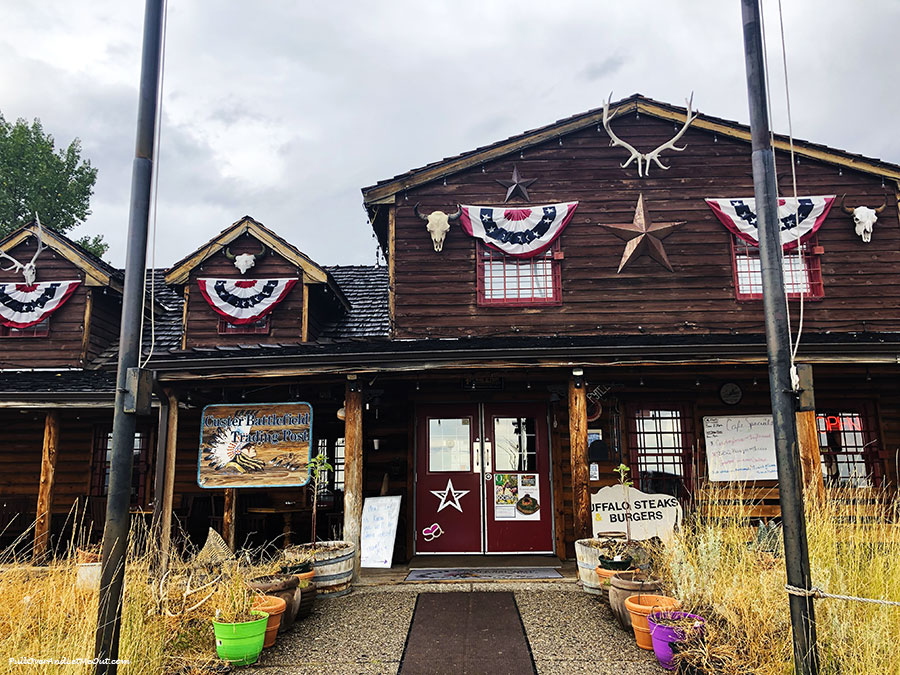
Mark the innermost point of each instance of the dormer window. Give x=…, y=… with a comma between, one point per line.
x=38, y=330
x=260, y=327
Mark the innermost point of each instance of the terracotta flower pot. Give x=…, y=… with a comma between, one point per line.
x=274, y=607
x=623, y=585
x=283, y=586
x=604, y=576
x=640, y=607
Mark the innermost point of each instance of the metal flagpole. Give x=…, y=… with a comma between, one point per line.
x=115, y=532
x=796, y=554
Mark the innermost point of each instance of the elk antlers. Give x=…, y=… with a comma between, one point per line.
x=28, y=270
x=644, y=159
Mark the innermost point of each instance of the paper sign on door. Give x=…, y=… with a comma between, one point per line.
x=516, y=496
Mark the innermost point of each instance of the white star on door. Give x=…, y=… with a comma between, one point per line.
x=449, y=497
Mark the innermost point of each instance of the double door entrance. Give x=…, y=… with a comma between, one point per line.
x=483, y=479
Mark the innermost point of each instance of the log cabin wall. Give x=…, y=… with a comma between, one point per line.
x=105, y=315
x=285, y=320
x=435, y=293
x=63, y=346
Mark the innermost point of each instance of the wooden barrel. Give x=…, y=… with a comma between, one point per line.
x=334, y=567
x=588, y=557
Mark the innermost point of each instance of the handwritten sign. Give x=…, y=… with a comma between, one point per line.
x=740, y=448
x=258, y=445
x=617, y=509
x=379, y=528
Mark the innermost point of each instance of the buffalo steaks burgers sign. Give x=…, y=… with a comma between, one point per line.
x=614, y=507
x=259, y=445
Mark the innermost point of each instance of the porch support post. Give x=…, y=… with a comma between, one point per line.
x=228, y=517
x=810, y=456
x=45, y=489
x=169, y=481
x=353, y=467
x=581, y=494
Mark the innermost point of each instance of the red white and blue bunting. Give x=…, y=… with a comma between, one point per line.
x=739, y=216
x=522, y=232
x=243, y=301
x=24, y=305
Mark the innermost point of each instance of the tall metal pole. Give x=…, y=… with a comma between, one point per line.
x=796, y=554
x=115, y=533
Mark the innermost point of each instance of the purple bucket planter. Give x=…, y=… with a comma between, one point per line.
x=664, y=636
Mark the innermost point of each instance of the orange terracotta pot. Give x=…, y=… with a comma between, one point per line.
x=275, y=607
x=306, y=576
x=604, y=576
x=640, y=606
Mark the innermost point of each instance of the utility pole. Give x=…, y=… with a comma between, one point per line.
x=115, y=532
x=796, y=554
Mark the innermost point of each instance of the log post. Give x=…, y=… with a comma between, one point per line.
x=353, y=467
x=228, y=517
x=169, y=482
x=45, y=489
x=810, y=456
x=581, y=494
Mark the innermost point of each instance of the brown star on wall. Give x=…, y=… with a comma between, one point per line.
x=516, y=184
x=643, y=237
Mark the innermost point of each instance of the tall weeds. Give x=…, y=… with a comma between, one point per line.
x=740, y=589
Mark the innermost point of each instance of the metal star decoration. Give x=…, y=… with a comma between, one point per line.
x=516, y=184
x=643, y=237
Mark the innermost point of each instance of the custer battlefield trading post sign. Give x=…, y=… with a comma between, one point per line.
x=258, y=445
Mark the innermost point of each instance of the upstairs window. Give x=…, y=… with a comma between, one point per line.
x=504, y=280
x=802, y=271
x=41, y=329
x=260, y=327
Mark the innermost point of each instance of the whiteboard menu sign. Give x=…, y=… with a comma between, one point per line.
x=740, y=448
x=379, y=528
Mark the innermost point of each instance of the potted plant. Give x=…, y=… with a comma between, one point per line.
x=240, y=630
x=623, y=585
x=274, y=607
x=640, y=606
x=670, y=627
x=332, y=560
x=617, y=557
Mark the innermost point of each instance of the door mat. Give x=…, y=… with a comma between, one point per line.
x=483, y=574
x=466, y=634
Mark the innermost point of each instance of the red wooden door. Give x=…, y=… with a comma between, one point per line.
x=517, y=502
x=448, y=480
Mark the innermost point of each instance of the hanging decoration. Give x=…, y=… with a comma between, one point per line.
x=518, y=232
x=243, y=301
x=644, y=158
x=438, y=225
x=244, y=261
x=644, y=237
x=24, y=305
x=28, y=270
x=516, y=184
x=863, y=218
x=799, y=220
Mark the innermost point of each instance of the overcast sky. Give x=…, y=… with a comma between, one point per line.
x=284, y=110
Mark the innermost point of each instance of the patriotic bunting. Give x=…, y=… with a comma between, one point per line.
x=24, y=305
x=518, y=232
x=243, y=301
x=799, y=219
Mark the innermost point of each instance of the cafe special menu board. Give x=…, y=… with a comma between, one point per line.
x=740, y=448
x=258, y=445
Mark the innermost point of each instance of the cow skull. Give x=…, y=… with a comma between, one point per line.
x=438, y=224
x=244, y=261
x=28, y=270
x=863, y=218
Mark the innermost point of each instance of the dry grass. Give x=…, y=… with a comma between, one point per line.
x=43, y=615
x=740, y=590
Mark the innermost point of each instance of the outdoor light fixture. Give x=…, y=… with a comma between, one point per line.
x=578, y=375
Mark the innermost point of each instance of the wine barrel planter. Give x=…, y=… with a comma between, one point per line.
x=332, y=562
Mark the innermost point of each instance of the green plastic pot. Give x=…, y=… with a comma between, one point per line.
x=241, y=643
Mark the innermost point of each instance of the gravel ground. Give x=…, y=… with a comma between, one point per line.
x=570, y=632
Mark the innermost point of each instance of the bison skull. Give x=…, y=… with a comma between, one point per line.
x=438, y=224
x=244, y=261
x=863, y=218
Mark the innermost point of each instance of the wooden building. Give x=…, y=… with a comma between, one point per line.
x=575, y=312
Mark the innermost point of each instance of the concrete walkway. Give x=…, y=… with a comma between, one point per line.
x=568, y=630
